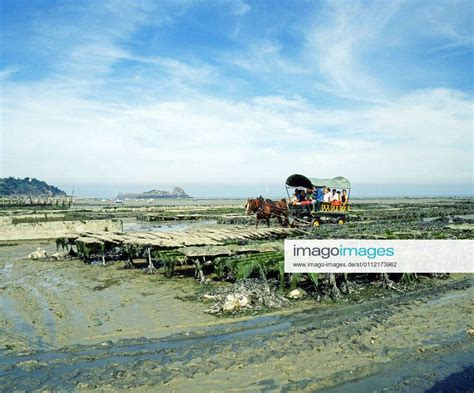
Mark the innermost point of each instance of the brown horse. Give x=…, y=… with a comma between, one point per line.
x=266, y=208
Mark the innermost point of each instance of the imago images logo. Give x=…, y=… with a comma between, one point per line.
x=379, y=256
x=342, y=251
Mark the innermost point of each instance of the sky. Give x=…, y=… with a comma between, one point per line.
x=231, y=97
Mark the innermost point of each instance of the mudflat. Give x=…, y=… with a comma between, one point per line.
x=75, y=326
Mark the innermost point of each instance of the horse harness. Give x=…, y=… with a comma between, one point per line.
x=271, y=203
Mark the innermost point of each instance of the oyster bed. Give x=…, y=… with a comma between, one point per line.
x=70, y=325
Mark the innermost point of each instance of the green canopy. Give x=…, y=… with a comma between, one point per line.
x=307, y=182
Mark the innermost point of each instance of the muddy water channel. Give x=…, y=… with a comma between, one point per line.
x=66, y=325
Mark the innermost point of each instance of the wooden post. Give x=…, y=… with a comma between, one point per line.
x=199, y=273
x=151, y=268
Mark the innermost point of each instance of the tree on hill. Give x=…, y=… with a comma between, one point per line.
x=10, y=186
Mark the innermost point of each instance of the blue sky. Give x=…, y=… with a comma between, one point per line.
x=238, y=93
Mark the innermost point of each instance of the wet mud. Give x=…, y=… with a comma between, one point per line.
x=67, y=325
x=325, y=349
x=53, y=304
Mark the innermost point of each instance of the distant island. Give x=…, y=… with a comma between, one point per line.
x=177, y=192
x=11, y=186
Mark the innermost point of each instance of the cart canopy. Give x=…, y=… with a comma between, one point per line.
x=307, y=182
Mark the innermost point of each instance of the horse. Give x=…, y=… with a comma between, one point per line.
x=264, y=209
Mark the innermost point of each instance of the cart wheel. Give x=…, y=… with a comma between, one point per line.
x=341, y=220
x=316, y=222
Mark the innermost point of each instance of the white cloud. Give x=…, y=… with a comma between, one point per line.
x=7, y=72
x=422, y=137
x=357, y=46
x=336, y=42
x=167, y=128
x=240, y=7
x=264, y=57
x=82, y=41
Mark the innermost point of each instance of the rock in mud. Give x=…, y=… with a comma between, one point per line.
x=244, y=295
x=59, y=256
x=236, y=302
x=40, y=253
x=209, y=297
x=106, y=344
x=297, y=293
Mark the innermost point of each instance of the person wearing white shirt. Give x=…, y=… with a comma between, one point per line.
x=327, y=195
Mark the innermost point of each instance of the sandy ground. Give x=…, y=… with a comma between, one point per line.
x=54, y=304
x=122, y=329
x=72, y=326
x=315, y=353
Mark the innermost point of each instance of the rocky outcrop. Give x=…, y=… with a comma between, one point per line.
x=177, y=192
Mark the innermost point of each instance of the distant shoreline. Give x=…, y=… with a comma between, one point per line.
x=274, y=197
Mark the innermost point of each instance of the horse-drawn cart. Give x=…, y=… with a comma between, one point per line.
x=315, y=212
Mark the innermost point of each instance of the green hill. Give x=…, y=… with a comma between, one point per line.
x=10, y=186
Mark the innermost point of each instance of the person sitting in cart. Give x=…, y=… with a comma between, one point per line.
x=297, y=198
x=336, y=198
x=318, y=198
x=319, y=194
x=308, y=197
x=344, y=198
x=294, y=199
x=327, y=195
x=301, y=196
